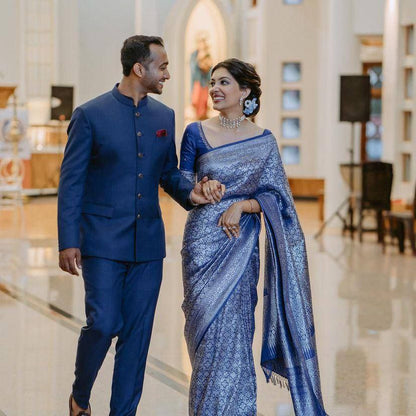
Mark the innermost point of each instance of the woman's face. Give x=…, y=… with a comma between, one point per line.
x=225, y=91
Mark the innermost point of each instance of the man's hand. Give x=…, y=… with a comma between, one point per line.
x=207, y=191
x=69, y=260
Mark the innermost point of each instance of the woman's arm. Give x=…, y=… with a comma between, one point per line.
x=249, y=206
x=230, y=219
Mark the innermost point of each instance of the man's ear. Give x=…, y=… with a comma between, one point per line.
x=138, y=69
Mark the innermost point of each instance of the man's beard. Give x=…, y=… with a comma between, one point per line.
x=154, y=87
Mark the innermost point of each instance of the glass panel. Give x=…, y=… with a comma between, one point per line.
x=375, y=106
x=374, y=149
x=409, y=83
x=291, y=99
x=291, y=72
x=406, y=167
x=376, y=76
x=292, y=1
x=407, y=134
x=291, y=155
x=373, y=127
x=370, y=130
x=290, y=128
x=410, y=40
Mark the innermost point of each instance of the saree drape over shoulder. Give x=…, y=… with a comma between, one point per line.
x=220, y=279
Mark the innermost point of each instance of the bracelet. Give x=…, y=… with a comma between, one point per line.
x=251, y=206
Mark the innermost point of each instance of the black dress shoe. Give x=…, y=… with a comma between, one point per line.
x=81, y=413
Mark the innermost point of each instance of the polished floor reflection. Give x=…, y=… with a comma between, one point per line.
x=365, y=313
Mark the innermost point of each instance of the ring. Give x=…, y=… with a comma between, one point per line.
x=224, y=228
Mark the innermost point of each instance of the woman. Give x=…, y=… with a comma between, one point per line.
x=221, y=260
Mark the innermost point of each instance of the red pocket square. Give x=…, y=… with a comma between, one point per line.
x=161, y=133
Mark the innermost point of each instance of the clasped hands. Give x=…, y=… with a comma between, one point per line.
x=207, y=191
x=211, y=191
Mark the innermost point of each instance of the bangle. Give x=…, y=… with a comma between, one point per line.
x=251, y=206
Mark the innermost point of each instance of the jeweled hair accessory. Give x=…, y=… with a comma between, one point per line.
x=250, y=106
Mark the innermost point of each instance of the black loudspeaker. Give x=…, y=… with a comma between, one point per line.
x=355, y=98
x=62, y=102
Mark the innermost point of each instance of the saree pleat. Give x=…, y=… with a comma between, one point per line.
x=220, y=279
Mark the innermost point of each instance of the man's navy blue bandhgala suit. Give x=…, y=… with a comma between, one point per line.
x=116, y=157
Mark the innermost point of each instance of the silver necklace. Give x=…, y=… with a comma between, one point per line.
x=231, y=123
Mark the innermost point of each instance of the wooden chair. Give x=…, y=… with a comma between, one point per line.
x=377, y=180
x=401, y=224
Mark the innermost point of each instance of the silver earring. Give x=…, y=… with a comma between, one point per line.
x=241, y=101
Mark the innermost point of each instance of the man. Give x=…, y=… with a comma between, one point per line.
x=121, y=145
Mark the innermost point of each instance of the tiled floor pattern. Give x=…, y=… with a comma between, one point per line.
x=364, y=304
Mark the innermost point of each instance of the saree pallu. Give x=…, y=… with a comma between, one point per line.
x=220, y=288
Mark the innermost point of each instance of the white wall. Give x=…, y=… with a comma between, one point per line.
x=11, y=35
x=398, y=14
x=103, y=26
x=338, y=55
x=290, y=34
x=368, y=17
x=152, y=15
x=390, y=111
x=68, y=46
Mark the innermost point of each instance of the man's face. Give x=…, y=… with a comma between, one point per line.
x=156, y=70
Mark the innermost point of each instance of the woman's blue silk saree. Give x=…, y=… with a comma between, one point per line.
x=220, y=279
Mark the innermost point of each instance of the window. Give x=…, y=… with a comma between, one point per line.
x=290, y=128
x=291, y=155
x=291, y=72
x=292, y=1
x=407, y=131
x=371, y=132
x=408, y=92
x=406, y=166
x=291, y=100
x=410, y=40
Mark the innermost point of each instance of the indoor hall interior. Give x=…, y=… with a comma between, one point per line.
x=340, y=97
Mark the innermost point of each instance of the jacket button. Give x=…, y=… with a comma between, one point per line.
x=137, y=114
x=139, y=133
x=140, y=155
x=139, y=196
x=138, y=215
x=140, y=175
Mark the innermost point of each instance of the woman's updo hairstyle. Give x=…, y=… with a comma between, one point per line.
x=247, y=77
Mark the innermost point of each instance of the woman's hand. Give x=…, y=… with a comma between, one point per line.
x=207, y=191
x=230, y=220
x=213, y=190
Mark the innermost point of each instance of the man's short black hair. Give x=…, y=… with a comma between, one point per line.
x=137, y=49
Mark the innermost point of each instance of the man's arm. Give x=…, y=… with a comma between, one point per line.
x=173, y=182
x=71, y=188
x=180, y=188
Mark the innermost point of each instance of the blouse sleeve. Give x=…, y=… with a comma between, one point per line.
x=188, y=155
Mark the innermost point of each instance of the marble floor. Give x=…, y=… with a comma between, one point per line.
x=364, y=304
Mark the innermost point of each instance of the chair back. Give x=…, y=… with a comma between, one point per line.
x=377, y=180
x=414, y=204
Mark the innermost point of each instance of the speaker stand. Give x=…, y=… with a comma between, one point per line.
x=347, y=218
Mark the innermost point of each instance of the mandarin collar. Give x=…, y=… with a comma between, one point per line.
x=128, y=100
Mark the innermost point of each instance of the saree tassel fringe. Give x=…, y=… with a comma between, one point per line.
x=278, y=380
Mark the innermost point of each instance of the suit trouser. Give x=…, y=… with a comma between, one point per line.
x=120, y=300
